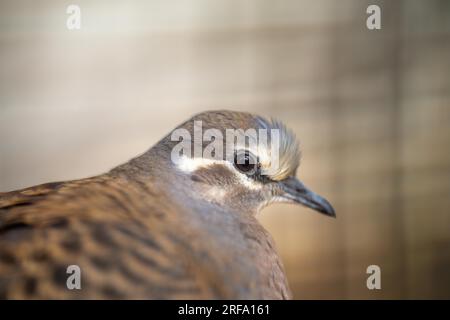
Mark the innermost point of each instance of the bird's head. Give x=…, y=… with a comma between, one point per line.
x=237, y=160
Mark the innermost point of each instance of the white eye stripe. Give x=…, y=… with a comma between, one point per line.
x=189, y=165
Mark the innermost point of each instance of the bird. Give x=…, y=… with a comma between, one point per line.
x=155, y=228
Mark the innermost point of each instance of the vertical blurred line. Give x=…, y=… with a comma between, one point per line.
x=339, y=153
x=397, y=205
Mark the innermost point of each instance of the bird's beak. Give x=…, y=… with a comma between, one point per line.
x=293, y=190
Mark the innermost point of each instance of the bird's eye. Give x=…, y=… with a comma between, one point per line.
x=246, y=162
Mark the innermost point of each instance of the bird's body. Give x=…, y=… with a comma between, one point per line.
x=144, y=230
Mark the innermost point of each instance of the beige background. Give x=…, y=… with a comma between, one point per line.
x=372, y=109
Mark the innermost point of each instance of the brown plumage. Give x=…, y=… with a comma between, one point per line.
x=147, y=230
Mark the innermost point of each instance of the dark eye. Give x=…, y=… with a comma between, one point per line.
x=246, y=162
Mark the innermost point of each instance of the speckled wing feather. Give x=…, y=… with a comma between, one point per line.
x=26, y=196
x=123, y=236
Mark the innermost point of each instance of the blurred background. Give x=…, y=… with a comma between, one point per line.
x=371, y=108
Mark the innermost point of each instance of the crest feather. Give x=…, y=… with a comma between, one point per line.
x=289, y=149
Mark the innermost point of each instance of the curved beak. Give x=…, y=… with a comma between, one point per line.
x=295, y=191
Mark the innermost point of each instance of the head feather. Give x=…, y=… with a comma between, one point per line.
x=289, y=149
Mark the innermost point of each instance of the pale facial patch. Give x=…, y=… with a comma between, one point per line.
x=276, y=199
x=216, y=193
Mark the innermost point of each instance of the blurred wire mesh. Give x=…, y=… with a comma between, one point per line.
x=372, y=109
